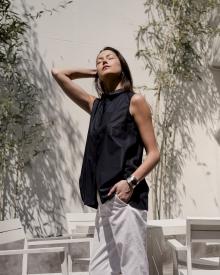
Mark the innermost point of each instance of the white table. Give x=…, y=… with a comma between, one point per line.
x=169, y=226
x=158, y=232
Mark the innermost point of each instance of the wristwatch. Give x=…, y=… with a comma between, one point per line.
x=132, y=181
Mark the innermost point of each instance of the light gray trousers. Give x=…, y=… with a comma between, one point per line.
x=119, y=245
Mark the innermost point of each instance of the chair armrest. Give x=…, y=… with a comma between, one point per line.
x=32, y=251
x=176, y=245
x=56, y=242
x=36, y=239
x=210, y=261
x=81, y=260
x=76, y=235
x=212, y=243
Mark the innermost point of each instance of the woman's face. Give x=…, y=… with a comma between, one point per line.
x=108, y=64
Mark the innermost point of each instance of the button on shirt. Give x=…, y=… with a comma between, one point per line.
x=113, y=151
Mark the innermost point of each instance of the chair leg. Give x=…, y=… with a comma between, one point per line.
x=70, y=263
x=24, y=264
x=24, y=259
x=175, y=263
x=64, y=265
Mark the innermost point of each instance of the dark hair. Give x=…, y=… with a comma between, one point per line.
x=126, y=78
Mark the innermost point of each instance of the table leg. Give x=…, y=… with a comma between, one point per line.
x=155, y=251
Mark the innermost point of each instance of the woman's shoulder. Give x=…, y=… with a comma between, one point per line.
x=138, y=102
x=136, y=97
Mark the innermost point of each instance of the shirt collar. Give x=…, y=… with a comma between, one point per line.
x=113, y=93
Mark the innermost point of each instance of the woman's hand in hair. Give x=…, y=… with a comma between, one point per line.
x=74, y=73
x=122, y=190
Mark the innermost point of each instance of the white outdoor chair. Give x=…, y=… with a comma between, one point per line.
x=80, y=226
x=11, y=232
x=198, y=230
x=67, y=242
x=79, y=219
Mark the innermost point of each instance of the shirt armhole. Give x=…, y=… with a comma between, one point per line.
x=131, y=116
x=94, y=105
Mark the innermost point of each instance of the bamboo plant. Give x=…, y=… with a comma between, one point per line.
x=21, y=128
x=175, y=46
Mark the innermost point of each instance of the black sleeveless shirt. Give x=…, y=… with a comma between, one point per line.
x=114, y=150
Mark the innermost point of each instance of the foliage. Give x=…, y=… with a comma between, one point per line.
x=44, y=11
x=174, y=45
x=21, y=128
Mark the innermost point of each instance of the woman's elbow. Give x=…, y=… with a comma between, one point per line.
x=157, y=156
x=54, y=72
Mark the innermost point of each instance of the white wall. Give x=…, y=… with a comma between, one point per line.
x=73, y=37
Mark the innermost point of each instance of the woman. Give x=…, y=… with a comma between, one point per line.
x=113, y=176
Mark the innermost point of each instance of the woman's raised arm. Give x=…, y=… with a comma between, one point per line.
x=64, y=78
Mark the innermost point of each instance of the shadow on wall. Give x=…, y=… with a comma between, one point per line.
x=186, y=105
x=215, y=67
x=216, y=76
x=198, y=105
x=42, y=195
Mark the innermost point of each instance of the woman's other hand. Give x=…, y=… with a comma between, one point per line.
x=122, y=189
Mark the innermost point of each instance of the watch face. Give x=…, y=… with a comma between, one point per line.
x=134, y=181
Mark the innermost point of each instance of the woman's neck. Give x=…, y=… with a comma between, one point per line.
x=112, y=86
